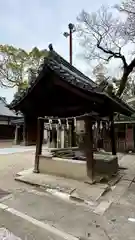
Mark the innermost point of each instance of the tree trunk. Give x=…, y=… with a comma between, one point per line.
x=126, y=72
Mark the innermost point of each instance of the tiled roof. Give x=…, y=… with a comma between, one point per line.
x=4, y=109
x=72, y=70
x=18, y=121
x=69, y=74
x=59, y=65
x=124, y=119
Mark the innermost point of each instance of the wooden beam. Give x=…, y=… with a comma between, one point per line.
x=71, y=108
x=40, y=129
x=88, y=148
x=91, y=96
x=112, y=135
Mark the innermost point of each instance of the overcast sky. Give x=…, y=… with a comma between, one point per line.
x=29, y=23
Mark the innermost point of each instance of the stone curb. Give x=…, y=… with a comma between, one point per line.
x=45, y=187
x=41, y=186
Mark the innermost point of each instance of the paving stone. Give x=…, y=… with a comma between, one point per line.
x=102, y=207
x=23, y=229
x=71, y=218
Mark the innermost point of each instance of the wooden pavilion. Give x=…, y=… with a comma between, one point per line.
x=60, y=90
x=124, y=131
x=7, y=129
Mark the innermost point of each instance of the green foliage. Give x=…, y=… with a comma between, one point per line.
x=24, y=85
x=36, y=57
x=16, y=62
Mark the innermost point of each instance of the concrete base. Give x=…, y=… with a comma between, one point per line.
x=76, y=169
x=63, y=168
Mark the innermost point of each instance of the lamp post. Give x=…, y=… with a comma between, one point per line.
x=69, y=34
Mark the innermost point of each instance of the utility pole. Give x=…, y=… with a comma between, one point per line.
x=69, y=34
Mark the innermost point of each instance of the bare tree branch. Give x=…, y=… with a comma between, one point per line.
x=103, y=37
x=111, y=53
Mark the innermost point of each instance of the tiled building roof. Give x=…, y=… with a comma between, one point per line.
x=4, y=109
x=70, y=74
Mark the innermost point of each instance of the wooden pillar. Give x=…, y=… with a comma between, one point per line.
x=62, y=137
x=134, y=135
x=48, y=139
x=69, y=136
x=40, y=131
x=16, y=139
x=126, y=143
x=23, y=141
x=88, y=148
x=24, y=132
x=45, y=136
x=112, y=135
x=58, y=137
x=67, y=139
x=54, y=138
x=73, y=135
x=41, y=135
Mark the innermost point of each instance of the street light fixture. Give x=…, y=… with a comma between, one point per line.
x=66, y=34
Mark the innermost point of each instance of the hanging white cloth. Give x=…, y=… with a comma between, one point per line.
x=50, y=124
x=67, y=124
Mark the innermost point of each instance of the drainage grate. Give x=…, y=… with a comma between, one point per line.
x=3, y=193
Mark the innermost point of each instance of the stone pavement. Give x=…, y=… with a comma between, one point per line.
x=30, y=212
x=11, y=164
x=17, y=149
x=20, y=225
x=21, y=229
x=6, y=143
x=112, y=206
x=67, y=217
